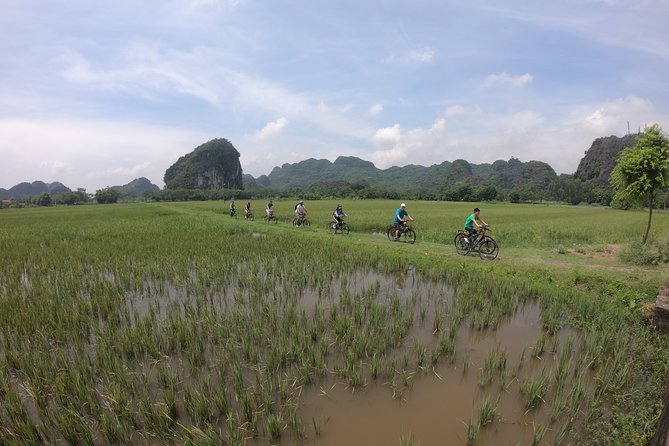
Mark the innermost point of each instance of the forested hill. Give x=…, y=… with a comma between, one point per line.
x=33, y=189
x=503, y=174
x=601, y=157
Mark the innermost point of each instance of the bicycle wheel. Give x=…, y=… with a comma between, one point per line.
x=306, y=222
x=296, y=222
x=488, y=249
x=344, y=228
x=410, y=236
x=332, y=226
x=461, y=245
x=391, y=233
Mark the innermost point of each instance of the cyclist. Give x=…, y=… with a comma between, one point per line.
x=233, y=208
x=472, y=224
x=339, y=215
x=247, y=210
x=269, y=210
x=402, y=217
x=300, y=212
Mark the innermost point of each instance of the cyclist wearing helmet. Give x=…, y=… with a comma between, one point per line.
x=402, y=217
x=339, y=215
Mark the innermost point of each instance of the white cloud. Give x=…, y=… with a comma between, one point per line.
x=56, y=167
x=148, y=70
x=418, y=146
x=375, y=110
x=387, y=135
x=90, y=154
x=197, y=3
x=387, y=158
x=271, y=129
x=419, y=56
x=507, y=79
x=611, y=116
x=131, y=172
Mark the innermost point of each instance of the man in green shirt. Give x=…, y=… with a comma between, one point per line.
x=472, y=224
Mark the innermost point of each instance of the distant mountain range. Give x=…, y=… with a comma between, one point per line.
x=197, y=170
x=503, y=174
x=135, y=188
x=35, y=188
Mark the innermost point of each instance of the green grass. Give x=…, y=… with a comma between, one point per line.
x=100, y=303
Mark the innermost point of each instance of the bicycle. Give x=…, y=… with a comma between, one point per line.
x=301, y=221
x=233, y=213
x=406, y=234
x=336, y=227
x=248, y=216
x=270, y=218
x=486, y=245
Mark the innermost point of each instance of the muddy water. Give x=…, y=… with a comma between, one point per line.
x=440, y=402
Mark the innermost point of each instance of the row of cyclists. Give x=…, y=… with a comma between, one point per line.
x=401, y=220
x=472, y=224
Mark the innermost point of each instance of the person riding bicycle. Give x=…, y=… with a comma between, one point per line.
x=269, y=209
x=300, y=211
x=402, y=217
x=233, y=208
x=339, y=215
x=247, y=210
x=472, y=224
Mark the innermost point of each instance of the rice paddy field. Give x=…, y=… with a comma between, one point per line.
x=173, y=323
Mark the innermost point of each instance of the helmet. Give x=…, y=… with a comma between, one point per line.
x=301, y=202
x=403, y=205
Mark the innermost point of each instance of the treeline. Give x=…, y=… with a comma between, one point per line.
x=80, y=196
x=565, y=189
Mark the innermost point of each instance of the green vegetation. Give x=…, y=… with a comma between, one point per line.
x=213, y=165
x=173, y=323
x=107, y=195
x=642, y=172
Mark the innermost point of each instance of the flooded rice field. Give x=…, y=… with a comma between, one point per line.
x=349, y=358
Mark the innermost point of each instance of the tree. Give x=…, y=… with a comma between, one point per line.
x=44, y=199
x=486, y=193
x=107, y=195
x=642, y=171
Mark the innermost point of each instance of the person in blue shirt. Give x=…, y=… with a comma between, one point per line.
x=402, y=217
x=339, y=215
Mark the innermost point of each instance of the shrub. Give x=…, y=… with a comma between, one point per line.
x=663, y=248
x=638, y=253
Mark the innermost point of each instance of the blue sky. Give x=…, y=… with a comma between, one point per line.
x=95, y=94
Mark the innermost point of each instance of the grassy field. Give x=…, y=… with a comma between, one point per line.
x=157, y=323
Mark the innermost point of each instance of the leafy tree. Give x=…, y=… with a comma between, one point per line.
x=107, y=195
x=642, y=171
x=602, y=195
x=44, y=199
x=486, y=193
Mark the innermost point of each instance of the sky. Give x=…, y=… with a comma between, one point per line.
x=96, y=94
